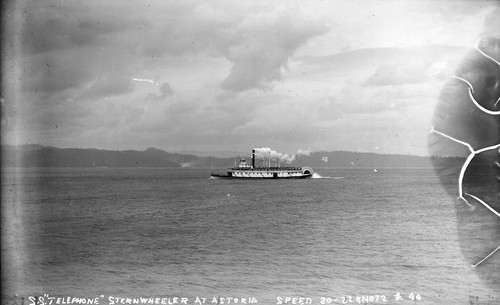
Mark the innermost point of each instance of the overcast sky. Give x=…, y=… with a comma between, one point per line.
x=232, y=75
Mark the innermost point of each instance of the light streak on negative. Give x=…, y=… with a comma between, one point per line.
x=481, y=107
x=471, y=88
x=465, y=81
x=477, y=264
x=145, y=80
x=491, y=58
x=471, y=95
x=484, y=203
x=486, y=55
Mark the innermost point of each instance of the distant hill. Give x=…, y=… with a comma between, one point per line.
x=40, y=156
x=34, y=155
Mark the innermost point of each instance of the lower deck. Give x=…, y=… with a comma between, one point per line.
x=266, y=173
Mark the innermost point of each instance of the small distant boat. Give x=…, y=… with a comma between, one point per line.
x=375, y=170
x=250, y=171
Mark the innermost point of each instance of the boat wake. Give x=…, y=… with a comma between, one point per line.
x=318, y=176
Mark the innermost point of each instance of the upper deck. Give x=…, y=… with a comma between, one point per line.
x=243, y=165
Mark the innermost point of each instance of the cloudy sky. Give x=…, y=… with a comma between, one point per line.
x=231, y=75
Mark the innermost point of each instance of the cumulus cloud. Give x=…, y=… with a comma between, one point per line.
x=72, y=25
x=452, y=10
x=352, y=98
x=268, y=41
x=257, y=43
x=108, y=85
x=398, y=73
x=492, y=24
x=49, y=74
x=165, y=91
x=73, y=44
x=380, y=81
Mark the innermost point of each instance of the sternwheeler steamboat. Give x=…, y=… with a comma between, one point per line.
x=250, y=171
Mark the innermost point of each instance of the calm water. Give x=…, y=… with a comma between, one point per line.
x=174, y=232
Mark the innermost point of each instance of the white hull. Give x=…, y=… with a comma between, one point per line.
x=247, y=171
x=267, y=173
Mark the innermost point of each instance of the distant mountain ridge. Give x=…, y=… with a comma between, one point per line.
x=34, y=155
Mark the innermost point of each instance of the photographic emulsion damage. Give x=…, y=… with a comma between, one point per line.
x=250, y=152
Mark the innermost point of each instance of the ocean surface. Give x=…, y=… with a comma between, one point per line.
x=142, y=232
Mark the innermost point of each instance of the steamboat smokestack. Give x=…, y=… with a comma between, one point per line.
x=253, y=158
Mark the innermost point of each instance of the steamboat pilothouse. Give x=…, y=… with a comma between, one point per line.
x=247, y=171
